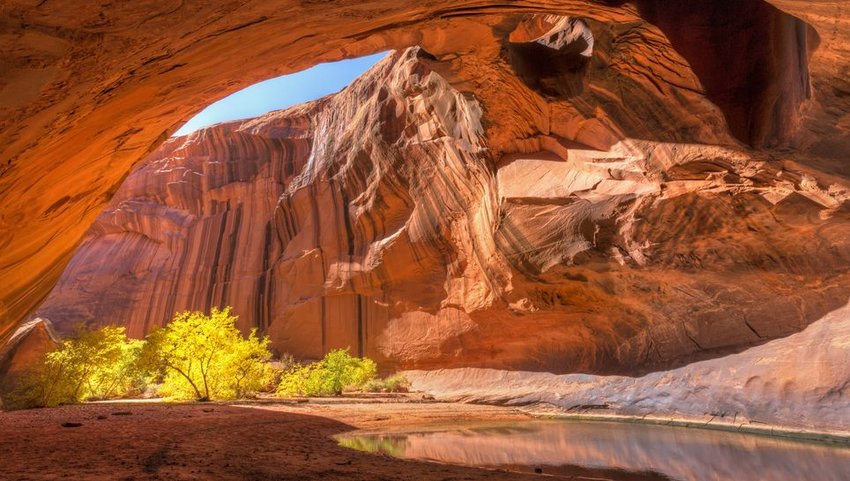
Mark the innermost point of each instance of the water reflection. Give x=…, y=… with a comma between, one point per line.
x=656, y=452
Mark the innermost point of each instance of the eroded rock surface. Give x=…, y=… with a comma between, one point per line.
x=799, y=381
x=25, y=349
x=430, y=218
x=88, y=90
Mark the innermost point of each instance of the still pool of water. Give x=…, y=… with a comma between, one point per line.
x=615, y=451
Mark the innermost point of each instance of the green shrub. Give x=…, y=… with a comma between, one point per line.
x=205, y=357
x=329, y=377
x=100, y=364
x=395, y=383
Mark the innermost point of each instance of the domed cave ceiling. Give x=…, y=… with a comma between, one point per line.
x=602, y=187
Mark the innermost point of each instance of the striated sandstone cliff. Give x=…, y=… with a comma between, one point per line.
x=516, y=219
x=88, y=90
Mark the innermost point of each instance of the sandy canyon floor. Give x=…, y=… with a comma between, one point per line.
x=148, y=441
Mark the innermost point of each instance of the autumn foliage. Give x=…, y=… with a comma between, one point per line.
x=196, y=356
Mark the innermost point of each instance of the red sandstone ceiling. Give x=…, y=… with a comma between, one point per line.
x=87, y=91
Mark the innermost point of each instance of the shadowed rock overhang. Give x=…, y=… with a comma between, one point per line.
x=742, y=129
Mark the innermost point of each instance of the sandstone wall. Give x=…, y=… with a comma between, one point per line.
x=429, y=225
x=88, y=90
x=798, y=382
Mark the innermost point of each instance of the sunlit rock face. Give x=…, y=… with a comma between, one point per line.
x=87, y=90
x=472, y=209
x=319, y=224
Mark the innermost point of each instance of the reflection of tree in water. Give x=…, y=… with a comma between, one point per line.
x=394, y=445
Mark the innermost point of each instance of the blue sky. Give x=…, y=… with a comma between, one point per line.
x=282, y=92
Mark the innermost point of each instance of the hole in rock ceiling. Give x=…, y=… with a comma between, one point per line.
x=551, y=54
x=281, y=92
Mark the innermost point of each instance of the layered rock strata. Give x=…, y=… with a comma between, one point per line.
x=88, y=90
x=407, y=219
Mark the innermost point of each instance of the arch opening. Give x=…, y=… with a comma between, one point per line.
x=552, y=58
x=281, y=92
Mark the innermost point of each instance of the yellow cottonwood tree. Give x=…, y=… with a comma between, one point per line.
x=205, y=357
x=90, y=364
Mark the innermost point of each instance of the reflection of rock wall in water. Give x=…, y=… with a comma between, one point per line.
x=650, y=452
x=379, y=219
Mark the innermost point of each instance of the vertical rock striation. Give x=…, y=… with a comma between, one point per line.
x=466, y=210
x=89, y=90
